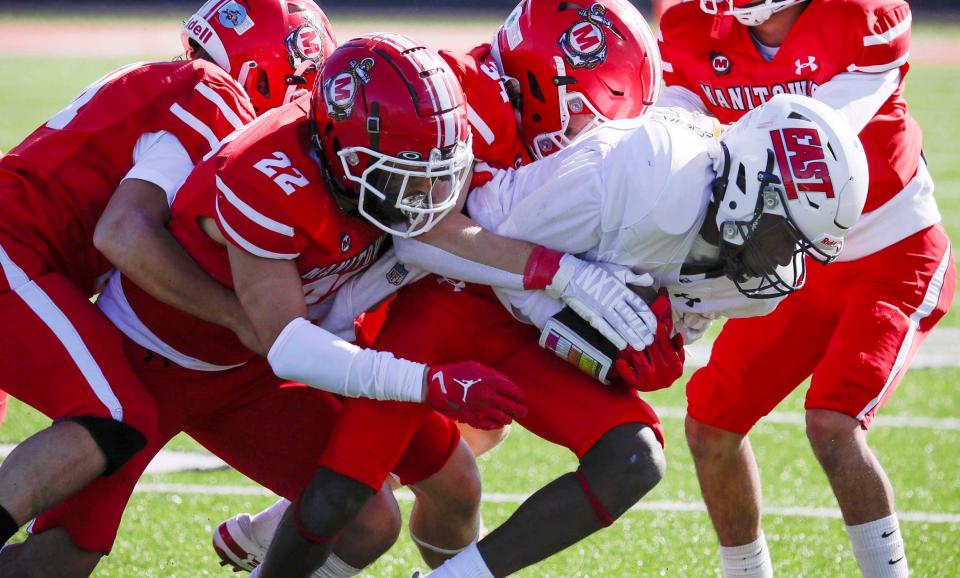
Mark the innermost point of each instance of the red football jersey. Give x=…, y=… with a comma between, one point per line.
x=63, y=174
x=496, y=138
x=267, y=194
x=829, y=38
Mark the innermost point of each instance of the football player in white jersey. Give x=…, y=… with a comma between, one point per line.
x=724, y=226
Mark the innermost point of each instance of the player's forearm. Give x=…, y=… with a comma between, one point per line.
x=308, y=354
x=170, y=275
x=462, y=236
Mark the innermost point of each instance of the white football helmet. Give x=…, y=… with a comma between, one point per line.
x=798, y=163
x=747, y=12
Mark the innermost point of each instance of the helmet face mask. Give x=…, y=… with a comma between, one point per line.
x=792, y=180
x=406, y=197
x=747, y=12
x=390, y=125
x=764, y=255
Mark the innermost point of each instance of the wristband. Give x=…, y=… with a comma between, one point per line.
x=541, y=268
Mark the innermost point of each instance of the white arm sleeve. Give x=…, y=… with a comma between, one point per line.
x=159, y=158
x=421, y=255
x=307, y=354
x=858, y=95
x=361, y=293
x=681, y=97
x=533, y=307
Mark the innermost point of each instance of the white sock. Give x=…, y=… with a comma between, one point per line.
x=748, y=561
x=255, y=573
x=334, y=567
x=264, y=525
x=466, y=564
x=878, y=548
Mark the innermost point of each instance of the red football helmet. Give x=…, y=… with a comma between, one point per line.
x=390, y=123
x=589, y=63
x=273, y=48
x=747, y=12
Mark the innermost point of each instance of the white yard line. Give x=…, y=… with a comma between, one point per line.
x=500, y=498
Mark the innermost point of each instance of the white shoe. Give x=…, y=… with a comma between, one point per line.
x=235, y=545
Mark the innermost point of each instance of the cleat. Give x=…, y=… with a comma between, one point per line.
x=236, y=547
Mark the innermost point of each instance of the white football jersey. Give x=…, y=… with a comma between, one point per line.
x=632, y=192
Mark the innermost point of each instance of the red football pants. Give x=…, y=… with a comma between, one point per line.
x=855, y=326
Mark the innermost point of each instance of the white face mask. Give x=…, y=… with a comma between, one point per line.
x=749, y=15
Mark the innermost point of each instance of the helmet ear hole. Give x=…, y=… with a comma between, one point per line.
x=742, y=179
x=535, y=90
x=263, y=83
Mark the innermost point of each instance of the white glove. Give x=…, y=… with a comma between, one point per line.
x=600, y=293
x=692, y=325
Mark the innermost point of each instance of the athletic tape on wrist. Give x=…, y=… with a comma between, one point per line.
x=541, y=267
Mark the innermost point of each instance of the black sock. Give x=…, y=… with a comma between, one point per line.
x=8, y=526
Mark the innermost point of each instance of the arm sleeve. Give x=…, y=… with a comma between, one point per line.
x=420, y=255
x=533, y=307
x=308, y=354
x=859, y=95
x=159, y=158
x=364, y=291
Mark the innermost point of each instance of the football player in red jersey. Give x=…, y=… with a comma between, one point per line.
x=135, y=132
x=561, y=99
x=265, y=191
x=59, y=355
x=619, y=80
x=855, y=326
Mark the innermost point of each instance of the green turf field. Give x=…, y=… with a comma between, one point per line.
x=167, y=533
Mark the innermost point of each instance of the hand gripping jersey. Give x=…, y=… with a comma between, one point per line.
x=831, y=37
x=496, y=140
x=632, y=192
x=265, y=191
x=55, y=184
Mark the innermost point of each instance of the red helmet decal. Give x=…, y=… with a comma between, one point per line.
x=305, y=44
x=801, y=160
x=340, y=91
x=585, y=44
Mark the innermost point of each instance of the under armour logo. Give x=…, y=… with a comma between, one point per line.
x=466, y=384
x=810, y=63
x=691, y=301
x=458, y=285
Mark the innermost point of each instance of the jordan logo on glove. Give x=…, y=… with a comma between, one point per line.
x=466, y=384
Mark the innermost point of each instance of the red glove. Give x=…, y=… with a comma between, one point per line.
x=659, y=364
x=474, y=394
